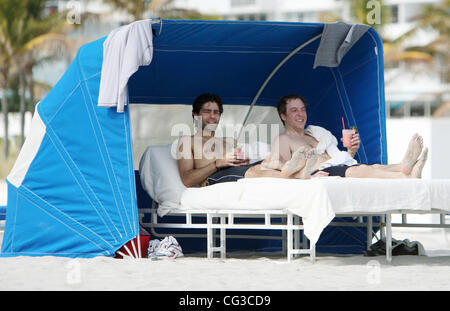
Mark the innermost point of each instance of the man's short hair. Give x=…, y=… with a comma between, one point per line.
x=204, y=98
x=282, y=102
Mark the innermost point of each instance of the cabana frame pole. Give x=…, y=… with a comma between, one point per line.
x=269, y=77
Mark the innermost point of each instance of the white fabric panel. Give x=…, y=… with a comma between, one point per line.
x=318, y=200
x=440, y=194
x=124, y=50
x=158, y=171
x=305, y=198
x=28, y=151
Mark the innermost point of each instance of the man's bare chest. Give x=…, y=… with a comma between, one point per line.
x=207, y=150
x=304, y=141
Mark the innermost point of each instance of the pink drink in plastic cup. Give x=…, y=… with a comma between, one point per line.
x=239, y=153
x=347, y=135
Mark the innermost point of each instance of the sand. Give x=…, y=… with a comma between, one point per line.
x=243, y=274
x=243, y=271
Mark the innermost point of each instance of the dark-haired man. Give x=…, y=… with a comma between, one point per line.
x=204, y=159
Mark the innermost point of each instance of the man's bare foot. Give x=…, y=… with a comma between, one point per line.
x=271, y=163
x=296, y=163
x=418, y=167
x=311, y=160
x=412, y=153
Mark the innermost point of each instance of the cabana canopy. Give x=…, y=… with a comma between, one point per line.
x=72, y=190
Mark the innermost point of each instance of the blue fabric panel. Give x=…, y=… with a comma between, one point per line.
x=37, y=228
x=10, y=219
x=114, y=140
x=2, y=212
x=89, y=59
x=114, y=129
x=195, y=57
x=79, y=186
x=84, y=159
x=361, y=89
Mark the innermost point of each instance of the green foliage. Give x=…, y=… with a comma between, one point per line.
x=26, y=30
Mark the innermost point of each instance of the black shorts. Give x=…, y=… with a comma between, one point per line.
x=230, y=173
x=338, y=170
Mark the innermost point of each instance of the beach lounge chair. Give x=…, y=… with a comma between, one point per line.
x=307, y=206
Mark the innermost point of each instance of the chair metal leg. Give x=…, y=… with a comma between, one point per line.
x=222, y=238
x=209, y=236
x=388, y=238
x=289, y=237
x=369, y=231
x=312, y=254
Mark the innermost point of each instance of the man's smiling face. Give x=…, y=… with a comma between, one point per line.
x=210, y=116
x=295, y=116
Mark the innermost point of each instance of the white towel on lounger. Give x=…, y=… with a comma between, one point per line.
x=328, y=143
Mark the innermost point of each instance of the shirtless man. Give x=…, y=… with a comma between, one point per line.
x=293, y=152
x=204, y=159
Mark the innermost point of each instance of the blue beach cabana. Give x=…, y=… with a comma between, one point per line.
x=72, y=191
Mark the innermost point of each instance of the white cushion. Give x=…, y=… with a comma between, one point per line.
x=161, y=179
x=159, y=174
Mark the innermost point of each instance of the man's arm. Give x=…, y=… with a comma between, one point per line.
x=192, y=176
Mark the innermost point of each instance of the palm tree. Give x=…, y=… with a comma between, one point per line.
x=433, y=56
x=29, y=34
x=433, y=17
x=436, y=18
x=395, y=49
x=10, y=21
x=375, y=14
x=38, y=49
x=41, y=37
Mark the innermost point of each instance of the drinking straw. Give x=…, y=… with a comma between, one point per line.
x=343, y=123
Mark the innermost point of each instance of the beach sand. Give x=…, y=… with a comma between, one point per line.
x=256, y=272
x=243, y=271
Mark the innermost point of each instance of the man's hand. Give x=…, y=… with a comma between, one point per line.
x=231, y=159
x=355, y=145
x=320, y=174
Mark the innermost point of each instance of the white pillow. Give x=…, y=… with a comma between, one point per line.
x=158, y=170
x=159, y=174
